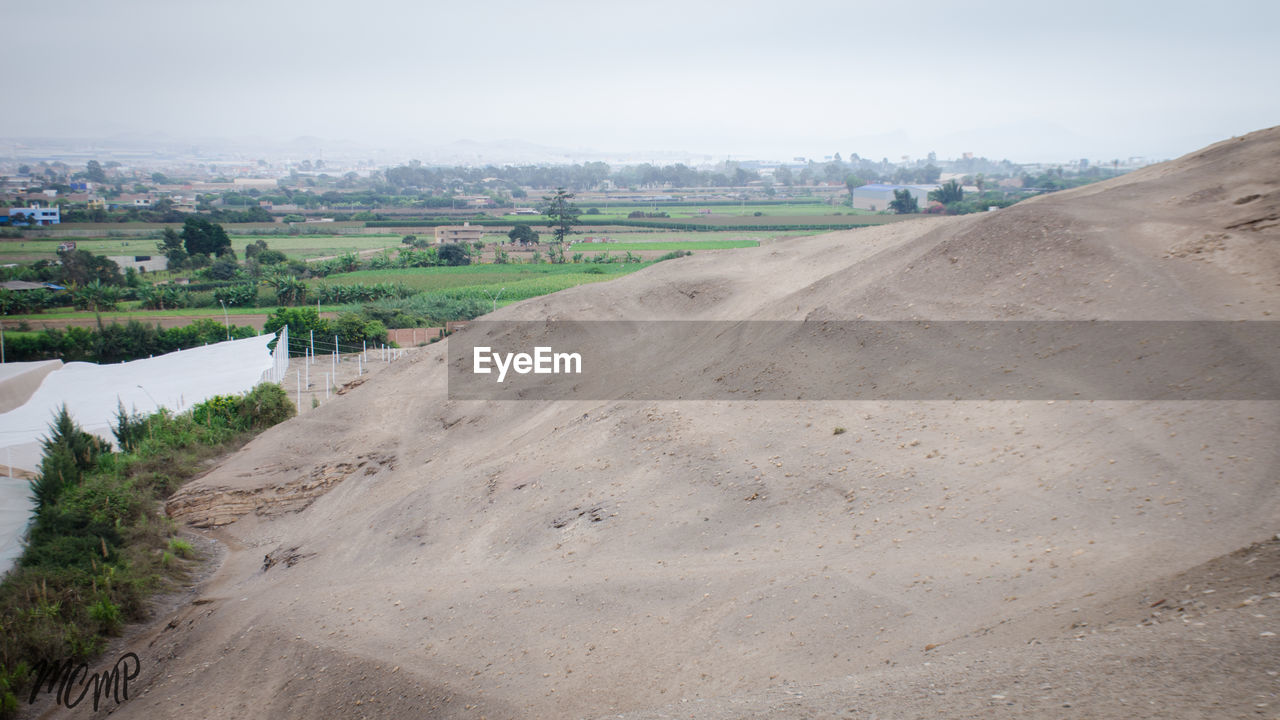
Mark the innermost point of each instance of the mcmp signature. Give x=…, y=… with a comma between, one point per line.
x=64, y=676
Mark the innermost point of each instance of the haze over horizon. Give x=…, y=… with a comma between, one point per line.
x=747, y=80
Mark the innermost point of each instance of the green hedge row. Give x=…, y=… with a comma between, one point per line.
x=683, y=226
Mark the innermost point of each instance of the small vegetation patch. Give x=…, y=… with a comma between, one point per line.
x=100, y=544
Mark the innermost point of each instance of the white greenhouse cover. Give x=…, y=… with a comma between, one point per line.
x=92, y=393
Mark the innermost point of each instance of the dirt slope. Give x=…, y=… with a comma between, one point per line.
x=715, y=559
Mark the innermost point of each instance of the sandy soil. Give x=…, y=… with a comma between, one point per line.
x=410, y=556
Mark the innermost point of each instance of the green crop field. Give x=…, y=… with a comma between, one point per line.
x=726, y=211
x=684, y=238
x=622, y=246
x=295, y=246
x=125, y=313
x=770, y=219
x=472, y=281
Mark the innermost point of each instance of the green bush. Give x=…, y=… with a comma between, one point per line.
x=264, y=406
x=129, y=428
x=219, y=410
x=181, y=548
x=354, y=329
x=106, y=614
x=426, y=309
x=243, y=295
x=68, y=453
x=302, y=321
x=116, y=342
x=101, y=546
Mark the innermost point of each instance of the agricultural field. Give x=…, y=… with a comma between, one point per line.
x=723, y=211
x=686, y=239
x=484, y=282
x=659, y=245
x=246, y=316
x=295, y=246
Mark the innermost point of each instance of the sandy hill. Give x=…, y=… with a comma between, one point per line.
x=396, y=554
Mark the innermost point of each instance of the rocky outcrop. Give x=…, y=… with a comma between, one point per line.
x=205, y=506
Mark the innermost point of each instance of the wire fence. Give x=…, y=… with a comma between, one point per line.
x=317, y=367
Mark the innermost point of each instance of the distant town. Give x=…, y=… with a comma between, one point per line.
x=53, y=184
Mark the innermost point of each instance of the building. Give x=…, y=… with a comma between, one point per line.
x=141, y=263
x=463, y=233
x=35, y=215
x=255, y=183
x=876, y=198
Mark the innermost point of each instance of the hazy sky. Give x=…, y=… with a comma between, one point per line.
x=1027, y=80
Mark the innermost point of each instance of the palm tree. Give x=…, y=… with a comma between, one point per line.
x=96, y=296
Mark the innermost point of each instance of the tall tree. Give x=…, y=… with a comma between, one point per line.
x=95, y=173
x=561, y=213
x=523, y=234
x=852, y=181
x=202, y=237
x=947, y=193
x=170, y=246
x=454, y=254
x=81, y=267
x=904, y=202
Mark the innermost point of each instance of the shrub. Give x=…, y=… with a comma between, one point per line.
x=454, y=254
x=301, y=321
x=244, y=295
x=425, y=309
x=107, y=615
x=272, y=257
x=265, y=405
x=129, y=429
x=181, y=548
x=219, y=410
x=68, y=453
x=354, y=329
x=95, y=555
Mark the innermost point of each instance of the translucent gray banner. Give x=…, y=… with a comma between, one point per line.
x=860, y=360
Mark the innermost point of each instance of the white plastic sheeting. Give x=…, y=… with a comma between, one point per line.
x=16, y=505
x=19, y=379
x=92, y=393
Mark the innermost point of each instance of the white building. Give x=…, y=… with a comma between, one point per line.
x=256, y=183
x=877, y=197
x=36, y=215
x=141, y=263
